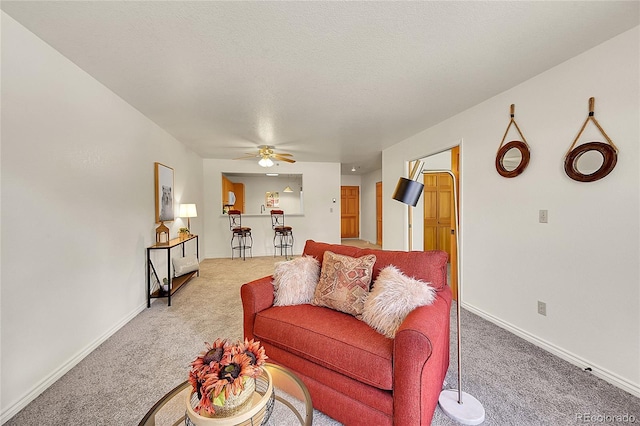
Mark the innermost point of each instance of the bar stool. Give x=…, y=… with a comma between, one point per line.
x=241, y=238
x=283, y=235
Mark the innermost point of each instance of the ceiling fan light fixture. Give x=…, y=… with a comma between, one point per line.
x=265, y=162
x=267, y=156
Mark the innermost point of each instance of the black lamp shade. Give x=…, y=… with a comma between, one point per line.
x=408, y=191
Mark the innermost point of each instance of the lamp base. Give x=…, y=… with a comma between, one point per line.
x=469, y=412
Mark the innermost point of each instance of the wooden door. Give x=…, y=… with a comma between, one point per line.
x=440, y=227
x=438, y=211
x=379, y=213
x=350, y=212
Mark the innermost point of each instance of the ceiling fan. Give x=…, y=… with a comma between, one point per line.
x=267, y=154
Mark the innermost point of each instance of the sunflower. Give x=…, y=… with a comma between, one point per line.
x=235, y=373
x=202, y=387
x=222, y=370
x=254, y=351
x=213, y=353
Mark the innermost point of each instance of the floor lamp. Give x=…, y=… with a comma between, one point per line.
x=458, y=405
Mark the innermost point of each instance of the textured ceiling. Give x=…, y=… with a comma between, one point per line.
x=325, y=81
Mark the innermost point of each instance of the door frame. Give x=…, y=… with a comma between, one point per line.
x=457, y=256
x=379, y=220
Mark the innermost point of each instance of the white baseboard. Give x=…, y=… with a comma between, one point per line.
x=41, y=386
x=596, y=370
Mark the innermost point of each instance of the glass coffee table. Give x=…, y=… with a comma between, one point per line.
x=291, y=394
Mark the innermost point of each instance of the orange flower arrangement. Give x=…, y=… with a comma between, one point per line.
x=222, y=370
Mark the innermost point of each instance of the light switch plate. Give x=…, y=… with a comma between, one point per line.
x=542, y=308
x=543, y=216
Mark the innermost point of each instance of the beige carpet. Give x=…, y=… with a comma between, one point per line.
x=518, y=383
x=122, y=379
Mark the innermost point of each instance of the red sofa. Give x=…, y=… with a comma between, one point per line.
x=353, y=373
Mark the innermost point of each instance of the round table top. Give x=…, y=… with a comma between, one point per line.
x=290, y=391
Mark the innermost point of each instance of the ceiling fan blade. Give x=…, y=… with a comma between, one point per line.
x=284, y=154
x=279, y=158
x=245, y=157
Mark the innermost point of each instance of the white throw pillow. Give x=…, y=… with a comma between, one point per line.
x=393, y=296
x=184, y=265
x=295, y=281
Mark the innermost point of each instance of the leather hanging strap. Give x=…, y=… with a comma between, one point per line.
x=591, y=117
x=512, y=121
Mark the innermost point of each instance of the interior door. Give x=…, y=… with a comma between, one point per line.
x=350, y=212
x=438, y=211
x=379, y=213
x=440, y=227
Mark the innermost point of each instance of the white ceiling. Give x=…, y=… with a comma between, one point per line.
x=325, y=81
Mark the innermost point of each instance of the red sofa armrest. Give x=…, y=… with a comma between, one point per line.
x=421, y=360
x=256, y=296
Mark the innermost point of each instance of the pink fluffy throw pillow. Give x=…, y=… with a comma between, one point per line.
x=295, y=281
x=393, y=296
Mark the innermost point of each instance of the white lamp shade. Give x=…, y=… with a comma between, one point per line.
x=188, y=210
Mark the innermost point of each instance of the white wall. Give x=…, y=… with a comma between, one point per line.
x=320, y=221
x=584, y=262
x=350, y=180
x=77, y=212
x=439, y=161
x=368, y=205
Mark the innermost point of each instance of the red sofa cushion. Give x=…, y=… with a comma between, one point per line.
x=349, y=346
x=316, y=249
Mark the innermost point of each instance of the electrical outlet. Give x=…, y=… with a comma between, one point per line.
x=543, y=216
x=542, y=308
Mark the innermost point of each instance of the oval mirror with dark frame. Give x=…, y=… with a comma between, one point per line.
x=512, y=158
x=590, y=162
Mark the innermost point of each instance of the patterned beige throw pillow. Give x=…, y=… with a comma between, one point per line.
x=344, y=282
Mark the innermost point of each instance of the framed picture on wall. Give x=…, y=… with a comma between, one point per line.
x=164, y=193
x=273, y=199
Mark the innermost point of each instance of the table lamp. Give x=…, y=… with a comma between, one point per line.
x=188, y=211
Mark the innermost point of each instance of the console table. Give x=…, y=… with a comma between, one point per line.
x=174, y=282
